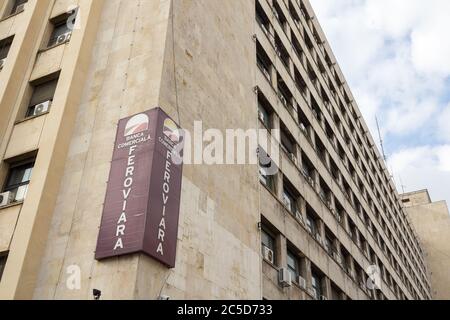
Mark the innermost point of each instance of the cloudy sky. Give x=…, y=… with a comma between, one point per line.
x=395, y=55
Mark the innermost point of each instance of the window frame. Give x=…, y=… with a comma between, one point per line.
x=293, y=270
x=7, y=187
x=3, y=261
x=317, y=289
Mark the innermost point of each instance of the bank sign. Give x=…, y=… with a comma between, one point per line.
x=142, y=203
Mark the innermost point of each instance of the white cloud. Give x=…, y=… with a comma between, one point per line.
x=415, y=168
x=395, y=55
x=444, y=124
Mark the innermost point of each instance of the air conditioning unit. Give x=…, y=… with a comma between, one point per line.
x=330, y=206
x=323, y=298
x=302, y=282
x=261, y=116
x=268, y=255
x=311, y=181
x=275, y=13
x=303, y=128
x=266, y=74
x=286, y=201
x=2, y=63
x=319, y=239
x=283, y=99
x=351, y=273
x=311, y=292
x=305, y=173
x=20, y=8
x=337, y=257
x=64, y=37
x=6, y=198
x=362, y=284
x=285, y=278
x=294, y=159
x=41, y=108
x=299, y=217
x=21, y=193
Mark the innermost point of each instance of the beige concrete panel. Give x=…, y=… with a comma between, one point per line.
x=62, y=6
x=25, y=137
x=48, y=61
x=5, y=27
x=21, y=271
x=8, y=220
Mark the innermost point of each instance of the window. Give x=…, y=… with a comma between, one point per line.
x=5, y=45
x=263, y=62
x=18, y=180
x=311, y=225
x=288, y=143
x=267, y=241
x=316, y=286
x=290, y=197
x=3, y=258
x=42, y=98
x=62, y=30
x=17, y=6
x=293, y=266
x=266, y=171
x=264, y=111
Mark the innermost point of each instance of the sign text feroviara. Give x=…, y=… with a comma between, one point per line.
x=142, y=203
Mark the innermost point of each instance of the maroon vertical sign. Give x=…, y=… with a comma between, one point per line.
x=142, y=203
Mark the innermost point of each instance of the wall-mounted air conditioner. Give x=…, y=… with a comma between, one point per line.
x=21, y=193
x=286, y=201
x=6, y=198
x=268, y=255
x=337, y=257
x=285, y=278
x=302, y=282
x=41, y=108
x=264, y=29
x=261, y=116
x=266, y=73
x=303, y=128
x=294, y=159
x=299, y=217
x=319, y=239
x=20, y=8
x=64, y=37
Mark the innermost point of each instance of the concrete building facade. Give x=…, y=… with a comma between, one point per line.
x=432, y=222
x=328, y=225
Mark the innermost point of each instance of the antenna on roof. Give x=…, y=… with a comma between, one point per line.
x=402, y=185
x=381, y=140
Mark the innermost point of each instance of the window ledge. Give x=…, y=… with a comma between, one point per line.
x=14, y=204
x=52, y=46
x=31, y=118
x=11, y=15
x=271, y=265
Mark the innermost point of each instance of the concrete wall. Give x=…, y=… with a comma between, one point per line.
x=432, y=222
x=132, y=70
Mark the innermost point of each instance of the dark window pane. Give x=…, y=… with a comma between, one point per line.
x=19, y=176
x=3, y=259
x=5, y=45
x=16, y=4
x=43, y=92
